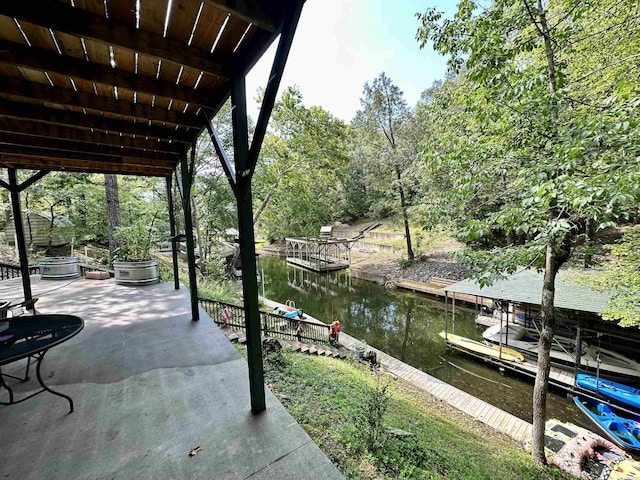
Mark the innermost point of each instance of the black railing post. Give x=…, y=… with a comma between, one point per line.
x=187, y=179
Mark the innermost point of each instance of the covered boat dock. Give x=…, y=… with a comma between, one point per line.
x=578, y=308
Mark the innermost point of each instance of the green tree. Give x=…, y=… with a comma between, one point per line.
x=621, y=276
x=561, y=160
x=303, y=160
x=384, y=142
x=53, y=194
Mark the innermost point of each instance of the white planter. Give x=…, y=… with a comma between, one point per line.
x=59, y=268
x=144, y=272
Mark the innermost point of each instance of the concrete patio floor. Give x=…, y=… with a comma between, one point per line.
x=148, y=385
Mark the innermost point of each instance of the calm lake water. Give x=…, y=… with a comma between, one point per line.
x=406, y=326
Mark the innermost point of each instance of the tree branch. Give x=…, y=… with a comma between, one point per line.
x=533, y=18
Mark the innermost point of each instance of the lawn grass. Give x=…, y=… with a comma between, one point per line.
x=325, y=396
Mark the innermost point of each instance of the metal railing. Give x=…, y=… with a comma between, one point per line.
x=8, y=270
x=84, y=268
x=231, y=316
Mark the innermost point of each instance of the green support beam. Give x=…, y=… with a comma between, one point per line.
x=172, y=227
x=14, y=190
x=245, y=158
x=247, y=246
x=187, y=181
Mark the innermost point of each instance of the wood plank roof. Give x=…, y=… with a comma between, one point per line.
x=121, y=86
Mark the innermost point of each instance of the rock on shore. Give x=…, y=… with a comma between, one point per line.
x=423, y=271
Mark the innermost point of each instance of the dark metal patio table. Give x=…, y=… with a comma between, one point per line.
x=34, y=336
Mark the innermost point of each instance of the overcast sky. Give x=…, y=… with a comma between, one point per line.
x=341, y=44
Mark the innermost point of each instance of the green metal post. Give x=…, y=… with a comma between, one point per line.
x=188, y=230
x=172, y=227
x=20, y=239
x=247, y=246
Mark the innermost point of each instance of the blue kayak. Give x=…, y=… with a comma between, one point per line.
x=622, y=394
x=623, y=430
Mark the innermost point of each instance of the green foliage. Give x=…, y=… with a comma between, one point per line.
x=215, y=268
x=134, y=243
x=325, y=396
x=227, y=291
x=165, y=269
x=357, y=199
x=404, y=263
x=517, y=161
x=274, y=360
x=298, y=177
x=623, y=278
x=369, y=421
x=533, y=151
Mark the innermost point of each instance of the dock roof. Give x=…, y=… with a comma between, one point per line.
x=526, y=287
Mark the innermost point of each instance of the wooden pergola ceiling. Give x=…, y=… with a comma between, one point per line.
x=121, y=86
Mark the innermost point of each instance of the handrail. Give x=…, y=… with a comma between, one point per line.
x=84, y=268
x=8, y=270
x=231, y=316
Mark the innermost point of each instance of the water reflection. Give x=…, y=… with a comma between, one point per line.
x=405, y=326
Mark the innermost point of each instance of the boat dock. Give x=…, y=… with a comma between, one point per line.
x=319, y=255
x=558, y=377
x=318, y=265
x=436, y=287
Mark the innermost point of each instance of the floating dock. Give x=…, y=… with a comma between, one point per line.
x=436, y=287
x=319, y=255
x=317, y=265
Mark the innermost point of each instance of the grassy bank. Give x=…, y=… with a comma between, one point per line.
x=334, y=400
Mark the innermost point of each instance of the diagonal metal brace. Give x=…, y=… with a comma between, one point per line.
x=32, y=179
x=227, y=166
x=277, y=70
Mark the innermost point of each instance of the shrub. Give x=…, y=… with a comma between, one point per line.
x=369, y=420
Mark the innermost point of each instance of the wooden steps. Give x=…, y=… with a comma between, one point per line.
x=308, y=348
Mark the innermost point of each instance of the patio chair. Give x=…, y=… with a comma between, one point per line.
x=13, y=310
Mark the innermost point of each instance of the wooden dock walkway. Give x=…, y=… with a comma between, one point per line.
x=436, y=287
x=488, y=414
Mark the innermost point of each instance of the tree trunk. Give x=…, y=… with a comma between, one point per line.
x=177, y=207
x=51, y=224
x=541, y=386
x=556, y=254
x=405, y=218
x=264, y=203
x=113, y=210
x=82, y=211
